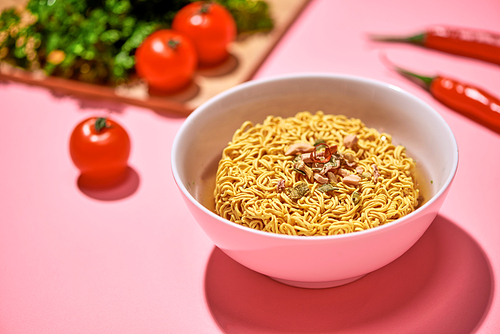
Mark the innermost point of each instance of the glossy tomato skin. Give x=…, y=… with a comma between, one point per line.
x=211, y=28
x=166, y=60
x=101, y=156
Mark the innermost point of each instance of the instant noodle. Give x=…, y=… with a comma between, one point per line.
x=314, y=174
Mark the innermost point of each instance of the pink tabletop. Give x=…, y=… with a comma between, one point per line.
x=133, y=260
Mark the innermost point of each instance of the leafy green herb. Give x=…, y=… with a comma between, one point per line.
x=332, y=163
x=366, y=175
x=250, y=15
x=319, y=141
x=299, y=171
x=327, y=187
x=356, y=197
x=95, y=40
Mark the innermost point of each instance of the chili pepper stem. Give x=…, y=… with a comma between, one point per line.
x=421, y=80
x=418, y=39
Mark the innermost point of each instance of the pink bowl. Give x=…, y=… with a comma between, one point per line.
x=323, y=261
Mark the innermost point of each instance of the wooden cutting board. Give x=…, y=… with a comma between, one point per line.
x=247, y=54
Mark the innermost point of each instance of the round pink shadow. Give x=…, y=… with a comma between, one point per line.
x=125, y=189
x=443, y=284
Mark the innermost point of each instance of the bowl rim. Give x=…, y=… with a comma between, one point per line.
x=311, y=75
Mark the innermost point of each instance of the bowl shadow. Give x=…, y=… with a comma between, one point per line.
x=443, y=284
x=122, y=190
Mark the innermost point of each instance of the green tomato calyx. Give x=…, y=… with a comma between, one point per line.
x=173, y=43
x=100, y=123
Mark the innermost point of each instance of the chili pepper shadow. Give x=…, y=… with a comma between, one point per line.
x=443, y=284
x=122, y=190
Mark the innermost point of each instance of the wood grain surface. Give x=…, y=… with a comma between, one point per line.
x=247, y=54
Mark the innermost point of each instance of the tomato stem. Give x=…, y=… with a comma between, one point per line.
x=173, y=43
x=100, y=123
x=205, y=8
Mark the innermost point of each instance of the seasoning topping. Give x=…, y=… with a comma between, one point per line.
x=320, y=178
x=298, y=190
x=299, y=148
x=327, y=187
x=352, y=180
x=376, y=174
x=323, y=164
x=322, y=156
x=356, y=197
x=350, y=141
x=280, y=186
x=302, y=167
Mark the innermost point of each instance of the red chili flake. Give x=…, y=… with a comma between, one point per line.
x=328, y=153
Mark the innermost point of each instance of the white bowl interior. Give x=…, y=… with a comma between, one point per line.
x=412, y=123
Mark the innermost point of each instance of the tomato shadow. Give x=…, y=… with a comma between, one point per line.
x=181, y=95
x=124, y=189
x=178, y=104
x=443, y=284
x=136, y=94
x=226, y=67
x=91, y=105
x=171, y=104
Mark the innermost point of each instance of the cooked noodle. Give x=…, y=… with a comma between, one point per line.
x=248, y=190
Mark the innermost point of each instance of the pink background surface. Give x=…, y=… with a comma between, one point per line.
x=133, y=260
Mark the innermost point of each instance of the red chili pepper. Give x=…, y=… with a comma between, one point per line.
x=328, y=153
x=478, y=44
x=468, y=100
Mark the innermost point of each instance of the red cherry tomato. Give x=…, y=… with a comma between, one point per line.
x=166, y=59
x=211, y=28
x=100, y=148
